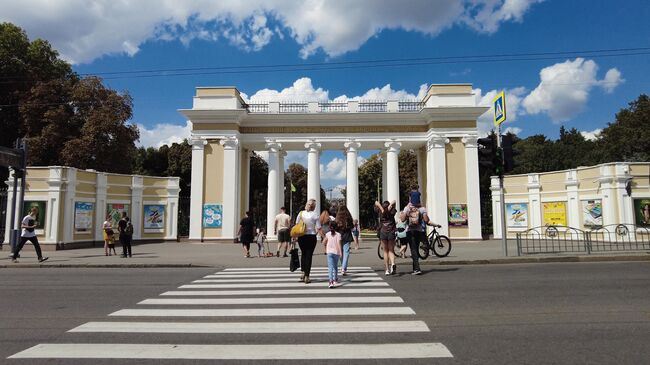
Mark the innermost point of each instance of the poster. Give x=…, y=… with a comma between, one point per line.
x=517, y=215
x=457, y=214
x=642, y=212
x=154, y=217
x=592, y=213
x=212, y=215
x=114, y=211
x=83, y=216
x=41, y=215
x=554, y=213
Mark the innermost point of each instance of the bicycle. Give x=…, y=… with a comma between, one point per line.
x=396, y=248
x=439, y=244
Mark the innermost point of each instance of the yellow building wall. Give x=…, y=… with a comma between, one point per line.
x=213, y=181
x=456, y=180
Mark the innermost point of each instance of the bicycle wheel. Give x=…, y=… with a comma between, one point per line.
x=423, y=250
x=380, y=250
x=441, y=246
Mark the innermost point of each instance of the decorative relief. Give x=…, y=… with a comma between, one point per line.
x=229, y=143
x=339, y=129
x=437, y=142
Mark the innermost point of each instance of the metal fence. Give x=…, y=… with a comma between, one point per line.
x=563, y=239
x=372, y=106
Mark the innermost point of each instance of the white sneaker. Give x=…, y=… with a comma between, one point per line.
x=387, y=272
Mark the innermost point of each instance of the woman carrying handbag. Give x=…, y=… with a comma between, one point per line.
x=306, y=228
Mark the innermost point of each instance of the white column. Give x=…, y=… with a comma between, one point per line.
x=230, y=187
x=137, y=206
x=55, y=183
x=437, y=182
x=473, y=187
x=313, y=172
x=196, y=191
x=352, y=178
x=625, y=204
x=173, y=188
x=392, y=170
x=9, y=225
x=68, y=208
x=534, y=201
x=607, y=194
x=246, y=184
x=496, y=207
x=272, y=199
x=384, y=171
x=281, y=187
x=573, y=203
x=100, y=211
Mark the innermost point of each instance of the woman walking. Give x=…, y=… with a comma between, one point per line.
x=246, y=233
x=387, y=213
x=307, y=242
x=332, y=243
x=109, y=236
x=344, y=224
x=355, y=234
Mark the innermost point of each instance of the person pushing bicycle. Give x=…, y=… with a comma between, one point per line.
x=417, y=219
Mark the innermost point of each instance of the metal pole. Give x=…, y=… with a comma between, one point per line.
x=504, y=239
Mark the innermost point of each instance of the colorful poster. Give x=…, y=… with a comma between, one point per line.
x=154, y=217
x=457, y=214
x=41, y=214
x=114, y=212
x=83, y=216
x=517, y=215
x=212, y=214
x=592, y=213
x=642, y=212
x=554, y=213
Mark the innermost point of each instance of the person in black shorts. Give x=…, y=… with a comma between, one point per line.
x=246, y=232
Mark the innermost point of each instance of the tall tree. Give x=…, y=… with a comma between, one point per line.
x=628, y=137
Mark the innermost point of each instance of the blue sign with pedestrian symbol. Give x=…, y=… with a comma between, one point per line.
x=499, y=106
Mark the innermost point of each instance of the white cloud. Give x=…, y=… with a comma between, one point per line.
x=84, y=31
x=513, y=108
x=333, y=170
x=163, y=133
x=592, y=135
x=564, y=88
x=513, y=130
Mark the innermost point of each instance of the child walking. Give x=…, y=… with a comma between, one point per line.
x=261, y=237
x=332, y=243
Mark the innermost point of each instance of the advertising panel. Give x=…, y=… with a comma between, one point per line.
x=517, y=215
x=154, y=217
x=83, y=216
x=642, y=212
x=457, y=215
x=41, y=216
x=554, y=213
x=114, y=212
x=592, y=213
x=212, y=215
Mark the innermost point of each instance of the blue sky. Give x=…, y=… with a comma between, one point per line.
x=543, y=94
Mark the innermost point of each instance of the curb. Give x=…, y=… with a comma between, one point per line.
x=540, y=260
x=104, y=266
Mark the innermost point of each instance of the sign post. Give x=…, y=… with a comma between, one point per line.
x=499, y=106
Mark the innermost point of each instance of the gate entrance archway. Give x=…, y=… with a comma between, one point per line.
x=441, y=128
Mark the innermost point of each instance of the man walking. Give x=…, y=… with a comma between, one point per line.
x=282, y=224
x=28, y=225
x=416, y=220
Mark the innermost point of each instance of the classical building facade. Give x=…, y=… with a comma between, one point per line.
x=441, y=129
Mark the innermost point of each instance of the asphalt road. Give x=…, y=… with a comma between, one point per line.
x=565, y=313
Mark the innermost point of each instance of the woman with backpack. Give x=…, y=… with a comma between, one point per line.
x=386, y=230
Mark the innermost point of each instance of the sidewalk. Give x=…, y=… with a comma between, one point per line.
x=190, y=254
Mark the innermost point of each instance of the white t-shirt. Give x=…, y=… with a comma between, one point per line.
x=28, y=221
x=283, y=220
x=311, y=220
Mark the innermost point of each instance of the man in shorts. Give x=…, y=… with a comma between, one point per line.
x=282, y=225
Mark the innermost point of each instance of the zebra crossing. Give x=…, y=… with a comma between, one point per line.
x=259, y=301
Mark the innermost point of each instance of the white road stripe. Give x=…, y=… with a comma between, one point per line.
x=255, y=327
x=338, y=291
x=271, y=285
x=280, y=268
x=257, y=301
x=281, y=275
x=260, y=280
x=236, y=352
x=265, y=312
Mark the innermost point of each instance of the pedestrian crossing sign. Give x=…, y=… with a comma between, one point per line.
x=499, y=106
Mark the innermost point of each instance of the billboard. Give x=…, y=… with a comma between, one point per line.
x=212, y=215
x=41, y=216
x=457, y=214
x=154, y=217
x=592, y=213
x=517, y=215
x=642, y=212
x=554, y=213
x=83, y=216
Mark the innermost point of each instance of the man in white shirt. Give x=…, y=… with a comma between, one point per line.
x=28, y=225
x=282, y=225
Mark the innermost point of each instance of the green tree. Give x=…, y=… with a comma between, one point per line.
x=179, y=163
x=628, y=137
x=369, y=190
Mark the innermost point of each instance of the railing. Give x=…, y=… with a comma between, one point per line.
x=294, y=108
x=333, y=107
x=372, y=106
x=563, y=239
x=258, y=108
x=409, y=106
